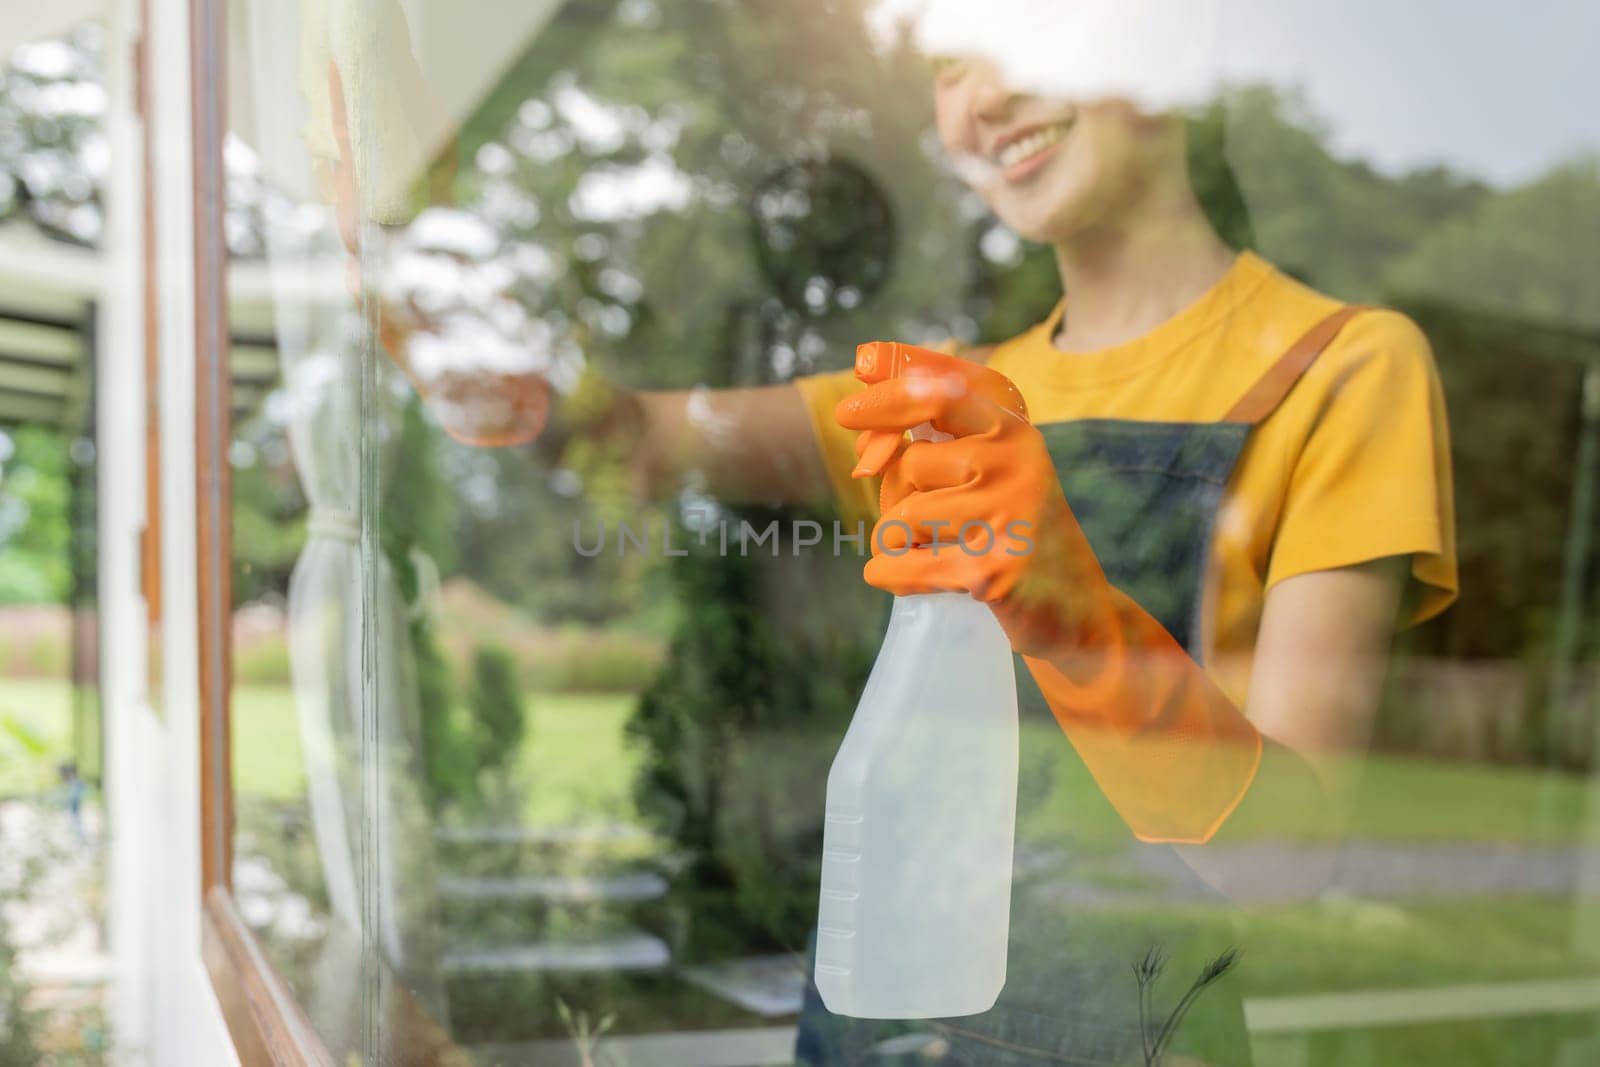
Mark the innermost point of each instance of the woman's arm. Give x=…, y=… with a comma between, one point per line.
x=1314, y=687
x=741, y=445
x=738, y=444
x=1169, y=748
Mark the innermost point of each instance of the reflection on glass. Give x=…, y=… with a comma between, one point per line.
x=551, y=610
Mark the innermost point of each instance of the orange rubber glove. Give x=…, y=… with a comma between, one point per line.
x=484, y=408
x=983, y=513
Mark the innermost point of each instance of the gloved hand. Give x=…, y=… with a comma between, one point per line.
x=454, y=359
x=1167, y=747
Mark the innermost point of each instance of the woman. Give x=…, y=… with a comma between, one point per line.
x=1225, y=468
x=1238, y=485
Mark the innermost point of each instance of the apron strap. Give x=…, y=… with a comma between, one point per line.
x=1269, y=391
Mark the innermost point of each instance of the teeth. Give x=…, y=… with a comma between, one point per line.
x=1031, y=145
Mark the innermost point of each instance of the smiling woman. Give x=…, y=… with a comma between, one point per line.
x=525, y=270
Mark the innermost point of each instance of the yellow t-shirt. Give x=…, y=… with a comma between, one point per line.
x=1353, y=466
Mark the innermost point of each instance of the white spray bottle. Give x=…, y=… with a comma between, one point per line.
x=915, y=906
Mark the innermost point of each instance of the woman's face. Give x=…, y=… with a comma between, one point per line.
x=1050, y=169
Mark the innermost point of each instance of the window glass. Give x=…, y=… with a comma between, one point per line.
x=553, y=590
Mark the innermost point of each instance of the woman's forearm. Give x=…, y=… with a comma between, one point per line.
x=1163, y=737
x=1315, y=686
x=740, y=445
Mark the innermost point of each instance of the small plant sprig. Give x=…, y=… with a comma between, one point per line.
x=1146, y=971
x=585, y=1036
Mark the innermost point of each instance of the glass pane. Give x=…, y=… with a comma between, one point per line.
x=299, y=611
x=557, y=576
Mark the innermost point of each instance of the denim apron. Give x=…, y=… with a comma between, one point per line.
x=1147, y=495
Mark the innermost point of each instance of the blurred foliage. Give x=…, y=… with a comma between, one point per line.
x=1514, y=394
x=1336, y=223
x=448, y=752
x=670, y=171
x=461, y=747
x=414, y=527
x=723, y=194
x=503, y=498
x=496, y=703
x=269, y=512
x=417, y=512
x=35, y=516
x=53, y=146
x=1513, y=254
x=711, y=192
x=622, y=162
x=623, y=167
x=20, y=1025
x=736, y=734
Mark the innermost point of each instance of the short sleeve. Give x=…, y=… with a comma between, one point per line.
x=1372, y=478
x=857, y=497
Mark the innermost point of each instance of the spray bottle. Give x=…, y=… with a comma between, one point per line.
x=915, y=907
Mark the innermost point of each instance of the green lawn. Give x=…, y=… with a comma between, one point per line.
x=35, y=733
x=572, y=764
x=575, y=764
x=573, y=761
x=1401, y=799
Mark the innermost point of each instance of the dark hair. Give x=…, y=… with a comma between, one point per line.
x=1215, y=185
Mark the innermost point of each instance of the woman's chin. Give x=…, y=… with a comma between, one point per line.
x=1049, y=222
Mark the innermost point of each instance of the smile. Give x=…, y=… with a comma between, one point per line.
x=1015, y=156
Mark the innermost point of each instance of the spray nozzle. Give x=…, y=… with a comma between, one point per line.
x=879, y=361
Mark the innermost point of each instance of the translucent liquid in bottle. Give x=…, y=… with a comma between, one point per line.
x=916, y=865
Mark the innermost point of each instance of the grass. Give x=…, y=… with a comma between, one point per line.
x=573, y=762
x=1403, y=800
x=1356, y=946
x=35, y=733
x=266, y=743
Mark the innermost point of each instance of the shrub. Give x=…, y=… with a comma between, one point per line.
x=448, y=753
x=19, y=1025
x=737, y=734
x=497, y=713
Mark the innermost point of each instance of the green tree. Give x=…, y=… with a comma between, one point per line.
x=1514, y=253
x=1505, y=295
x=269, y=512
x=1339, y=224
x=52, y=105
x=35, y=516
x=497, y=713
x=415, y=515
x=737, y=733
